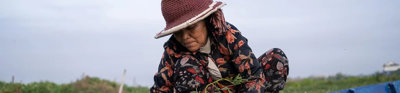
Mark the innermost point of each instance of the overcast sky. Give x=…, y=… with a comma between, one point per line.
x=59, y=40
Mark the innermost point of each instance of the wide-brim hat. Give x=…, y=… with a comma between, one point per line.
x=179, y=14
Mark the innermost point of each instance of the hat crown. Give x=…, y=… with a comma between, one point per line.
x=179, y=14
x=178, y=11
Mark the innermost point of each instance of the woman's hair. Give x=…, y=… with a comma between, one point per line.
x=215, y=23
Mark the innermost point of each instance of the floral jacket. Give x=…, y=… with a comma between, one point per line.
x=231, y=54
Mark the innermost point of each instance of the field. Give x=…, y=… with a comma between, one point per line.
x=95, y=85
x=338, y=82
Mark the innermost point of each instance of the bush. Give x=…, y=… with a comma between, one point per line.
x=84, y=85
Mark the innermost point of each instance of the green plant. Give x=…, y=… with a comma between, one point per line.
x=233, y=82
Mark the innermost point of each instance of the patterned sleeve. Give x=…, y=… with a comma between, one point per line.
x=245, y=61
x=163, y=77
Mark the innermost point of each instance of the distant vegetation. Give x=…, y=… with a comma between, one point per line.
x=84, y=85
x=305, y=85
x=338, y=82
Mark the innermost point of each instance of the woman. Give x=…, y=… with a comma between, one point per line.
x=205, y=53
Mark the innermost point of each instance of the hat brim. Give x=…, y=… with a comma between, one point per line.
x=211, y=9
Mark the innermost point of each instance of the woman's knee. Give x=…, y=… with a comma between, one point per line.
x=275, y=67
x=274, y=53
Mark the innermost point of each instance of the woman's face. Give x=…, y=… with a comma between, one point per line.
x=192, y=37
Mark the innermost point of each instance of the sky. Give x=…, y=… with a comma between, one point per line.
x=61, y=40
